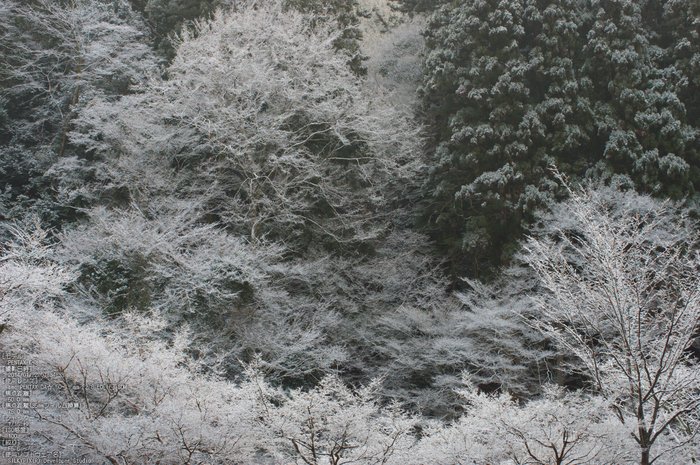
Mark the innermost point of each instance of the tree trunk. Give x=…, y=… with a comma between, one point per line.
x=645, y=456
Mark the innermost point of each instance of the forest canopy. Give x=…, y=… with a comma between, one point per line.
x=324, y=232
x=605, y=90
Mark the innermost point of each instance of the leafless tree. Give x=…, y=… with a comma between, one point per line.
x=624, y=297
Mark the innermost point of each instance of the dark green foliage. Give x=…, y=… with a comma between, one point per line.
x=638, y=92
x=518, y=86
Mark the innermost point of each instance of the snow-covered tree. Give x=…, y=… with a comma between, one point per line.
x=599, y=88
x=262, y=140
x=274, y=127
x=482, y=331
x=625, y=299
x=57, y=56
x=119, y=391
x=332, y=424
x=558, y=428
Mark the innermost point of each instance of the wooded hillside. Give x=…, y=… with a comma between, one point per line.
x=326, y=232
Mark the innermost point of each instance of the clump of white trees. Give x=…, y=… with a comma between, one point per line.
x=133, y=398
x=620, y=295
x=270, y=127
x=254, y=192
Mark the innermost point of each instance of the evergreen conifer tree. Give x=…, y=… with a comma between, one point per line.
x=597, y=88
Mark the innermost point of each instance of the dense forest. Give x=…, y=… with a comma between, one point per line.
x=350, y=231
